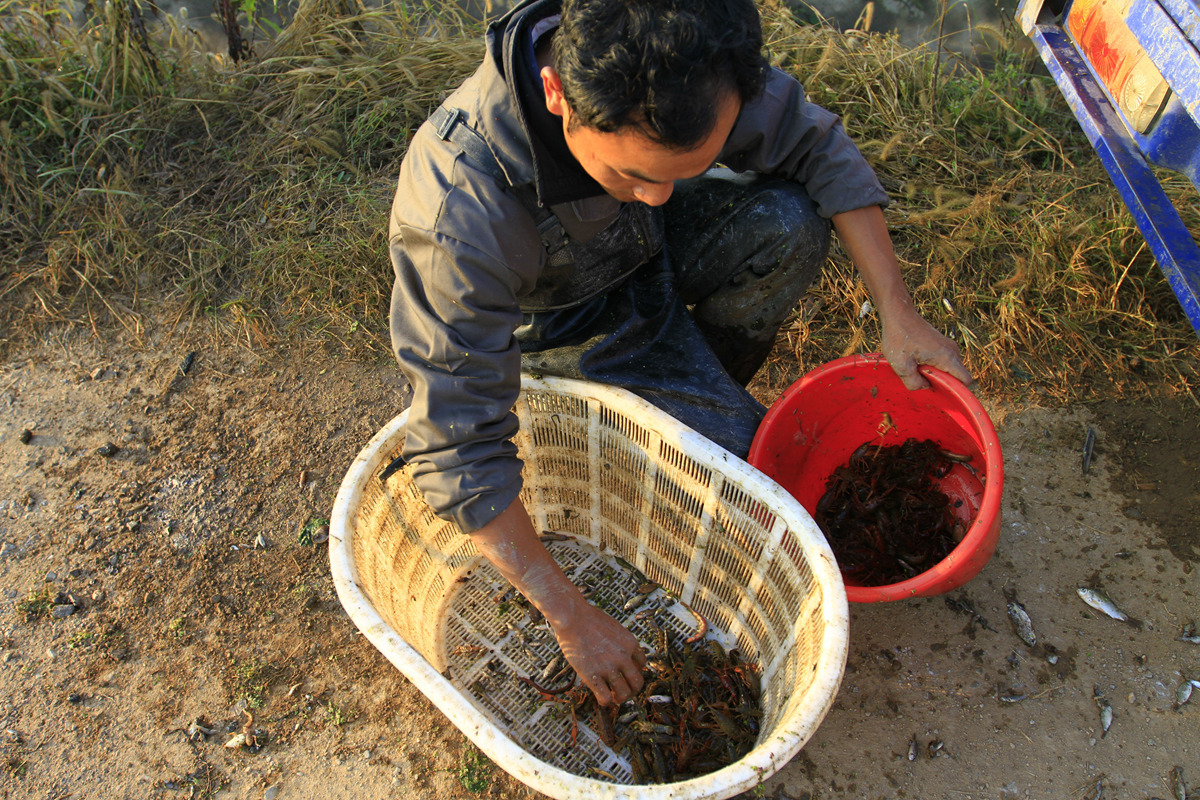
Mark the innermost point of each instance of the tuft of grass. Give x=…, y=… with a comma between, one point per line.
x=177, y=628
x=474, y=770
x=250, y=681
x=339, y=716
x=81, y=639
x=306, y=537
x=36, y=604
x=16, y=767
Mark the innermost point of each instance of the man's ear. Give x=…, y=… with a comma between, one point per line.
x=552, y=85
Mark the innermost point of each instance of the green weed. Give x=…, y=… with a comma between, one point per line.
x=308, y=532
x=251, y=680
x=36, y=604
x=81, y=639
x=474, y=770
x=339, y=716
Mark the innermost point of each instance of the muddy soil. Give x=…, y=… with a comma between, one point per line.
x=169, y=628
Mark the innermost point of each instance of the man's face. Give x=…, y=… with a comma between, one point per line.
x=629, y=165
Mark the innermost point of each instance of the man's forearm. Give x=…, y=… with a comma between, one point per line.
x=864, y=235
x=512, y=545
x=908, y=339
x=606, y=656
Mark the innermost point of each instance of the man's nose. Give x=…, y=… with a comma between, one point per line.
x=654, y=194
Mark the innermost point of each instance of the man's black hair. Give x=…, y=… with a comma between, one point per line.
x=659, y=65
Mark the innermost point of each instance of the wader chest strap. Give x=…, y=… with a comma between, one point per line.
x=452, y=127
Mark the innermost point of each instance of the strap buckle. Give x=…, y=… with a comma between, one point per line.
x=448, y=119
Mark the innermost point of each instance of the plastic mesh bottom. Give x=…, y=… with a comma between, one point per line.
x=489, y=640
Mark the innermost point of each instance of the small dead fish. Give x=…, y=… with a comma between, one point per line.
x=637, y=573
x=634, y=601
x=935, y=747
x=551, y=670
x=1106, y=719
x=1184, y=693
x=1188, y=634
x=1021, y=623
x=1101, y=602
x=1106, y=712
x=1013, y=697
x=659, y=699
x=1178, y=786
x=913, y=749
x=645, y=614
x=1089, y=442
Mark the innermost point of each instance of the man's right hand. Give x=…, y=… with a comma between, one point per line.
x=606, y=656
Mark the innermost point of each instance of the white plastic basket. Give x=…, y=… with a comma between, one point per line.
x=626, y=481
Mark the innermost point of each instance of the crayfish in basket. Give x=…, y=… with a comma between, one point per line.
x=884, y=515
x=699, y=710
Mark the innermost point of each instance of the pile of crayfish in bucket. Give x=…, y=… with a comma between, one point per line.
x=884, y=515
x=698, y=711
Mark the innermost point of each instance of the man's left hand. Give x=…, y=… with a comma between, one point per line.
x=909, y=341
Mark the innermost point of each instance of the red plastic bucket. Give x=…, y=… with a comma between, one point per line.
x=820, y=420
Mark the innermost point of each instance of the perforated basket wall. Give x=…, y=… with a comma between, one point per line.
x=628, y=484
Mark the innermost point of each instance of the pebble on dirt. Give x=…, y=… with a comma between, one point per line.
x=108, y=450
x=26, y=436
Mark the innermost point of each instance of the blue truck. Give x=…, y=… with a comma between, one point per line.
x=1130, y=70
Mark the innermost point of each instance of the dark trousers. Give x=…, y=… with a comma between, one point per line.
x=744, y=250
x=690, y=327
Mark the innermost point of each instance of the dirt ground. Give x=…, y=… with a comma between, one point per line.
x=163, y=589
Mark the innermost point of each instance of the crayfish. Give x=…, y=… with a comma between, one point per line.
x=697, y=712
x=884, y=515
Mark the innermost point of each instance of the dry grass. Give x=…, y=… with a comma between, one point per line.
x=1012, y=238
x=137, y=170
x=255, y=194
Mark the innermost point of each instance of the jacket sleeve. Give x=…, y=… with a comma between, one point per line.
x=463, y=249
x=781, y=133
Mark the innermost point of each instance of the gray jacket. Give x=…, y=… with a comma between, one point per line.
x=466, y=252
